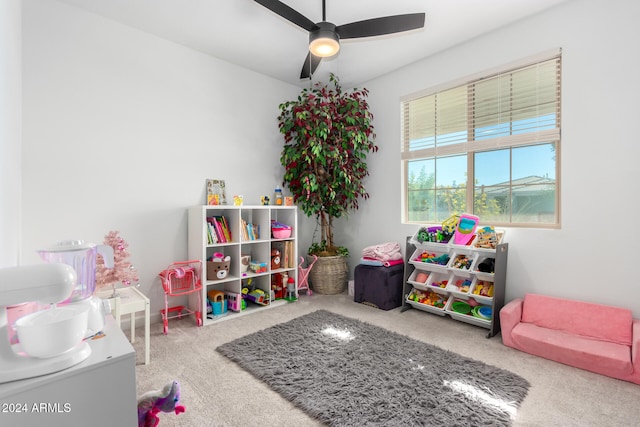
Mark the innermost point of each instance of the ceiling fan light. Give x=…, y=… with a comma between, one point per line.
x=323, y=43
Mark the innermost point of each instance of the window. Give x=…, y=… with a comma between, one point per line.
x=489, y=146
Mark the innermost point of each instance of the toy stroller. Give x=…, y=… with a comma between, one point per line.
x=181, y=278
x=303, y=275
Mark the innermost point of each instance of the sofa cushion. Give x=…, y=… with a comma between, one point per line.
x=605, y=358
x=601, y=322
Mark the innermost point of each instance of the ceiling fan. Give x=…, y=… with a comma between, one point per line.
x=324, y=37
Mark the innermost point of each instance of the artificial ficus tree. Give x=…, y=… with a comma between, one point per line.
x=327, y=136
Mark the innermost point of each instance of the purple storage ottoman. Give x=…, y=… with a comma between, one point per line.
x=380, y=287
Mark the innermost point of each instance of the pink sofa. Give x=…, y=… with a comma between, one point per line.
x=595, y=337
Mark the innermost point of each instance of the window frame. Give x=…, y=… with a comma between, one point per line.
x=472, y=146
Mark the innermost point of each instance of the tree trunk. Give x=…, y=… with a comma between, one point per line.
x=326, y=227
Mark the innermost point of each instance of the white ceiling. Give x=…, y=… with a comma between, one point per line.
x=247, y=34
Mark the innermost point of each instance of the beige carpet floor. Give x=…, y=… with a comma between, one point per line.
x=216, y=392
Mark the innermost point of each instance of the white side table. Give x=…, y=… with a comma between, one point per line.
x=130, y=301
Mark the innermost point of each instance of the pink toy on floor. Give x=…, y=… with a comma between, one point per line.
x=303, y=276
x=152, y=402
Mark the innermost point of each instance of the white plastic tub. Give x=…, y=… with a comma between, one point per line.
x=51, y=332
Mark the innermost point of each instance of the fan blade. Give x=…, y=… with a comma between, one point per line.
x=381, y=26
x=311, y=63
x=287, y=13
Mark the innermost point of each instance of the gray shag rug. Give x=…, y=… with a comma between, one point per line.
x=345, y=372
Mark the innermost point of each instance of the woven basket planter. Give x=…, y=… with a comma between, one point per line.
x=329, y=275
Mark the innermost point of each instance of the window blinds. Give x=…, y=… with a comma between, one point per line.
x=515, y=107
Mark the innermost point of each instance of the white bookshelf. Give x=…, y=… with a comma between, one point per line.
x=200, y=248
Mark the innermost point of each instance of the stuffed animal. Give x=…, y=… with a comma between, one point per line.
x=275, y=259
x=152, y=402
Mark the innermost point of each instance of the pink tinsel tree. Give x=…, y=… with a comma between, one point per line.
x=123, y=271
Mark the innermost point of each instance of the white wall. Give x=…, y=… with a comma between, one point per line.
x=10, y=131
x=593, y=255
x=121, y=129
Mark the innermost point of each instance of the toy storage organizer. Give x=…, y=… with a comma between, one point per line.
x=242, y=260
x=453, y=280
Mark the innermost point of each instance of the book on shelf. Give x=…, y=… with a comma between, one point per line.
x=250, y=231
x=288, y=254
x=216, y=193
x=285, y=255
x=226, y=230
x=243, y=230
x=212, y=236
x=218, y=229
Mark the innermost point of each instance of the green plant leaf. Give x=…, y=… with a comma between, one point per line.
x=328, y=134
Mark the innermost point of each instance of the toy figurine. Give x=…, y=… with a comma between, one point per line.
x=291, y=288
x=152, y=402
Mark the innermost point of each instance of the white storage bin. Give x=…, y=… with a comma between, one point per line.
x=425, y=307
x=416, y=260
x=481, y=295
x=437, y=282
x=413, y=279
x=416, y=240
x=461, y=263
x=457, y=285
x=428, y=307
x=463, y=249
x=471, y=317
x=478, y=245
x=481, y=258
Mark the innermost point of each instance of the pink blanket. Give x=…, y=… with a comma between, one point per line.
x=377, y=263
x=383, y=252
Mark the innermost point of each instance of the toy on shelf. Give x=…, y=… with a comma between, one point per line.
x=440, y=284
x=181, y=278
x=258, y=267
x=462, y=285
x=433, y=234
x=465, y=229
x=257, y=296
x=153, y=402
x=280, y=231
x=428, y=298
x=461, y=307
x=432, y=258
x=482, y=312
x=483, y=288
x=291, y=289
x=218, y=266
x=486, y=238
x=487, y=265
x=278, y=283
x=449, y=224
x=422, y=277
x=234, y=301
x=303, y=275
x=275, y=259
x=462, y=262
x=218, y=302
